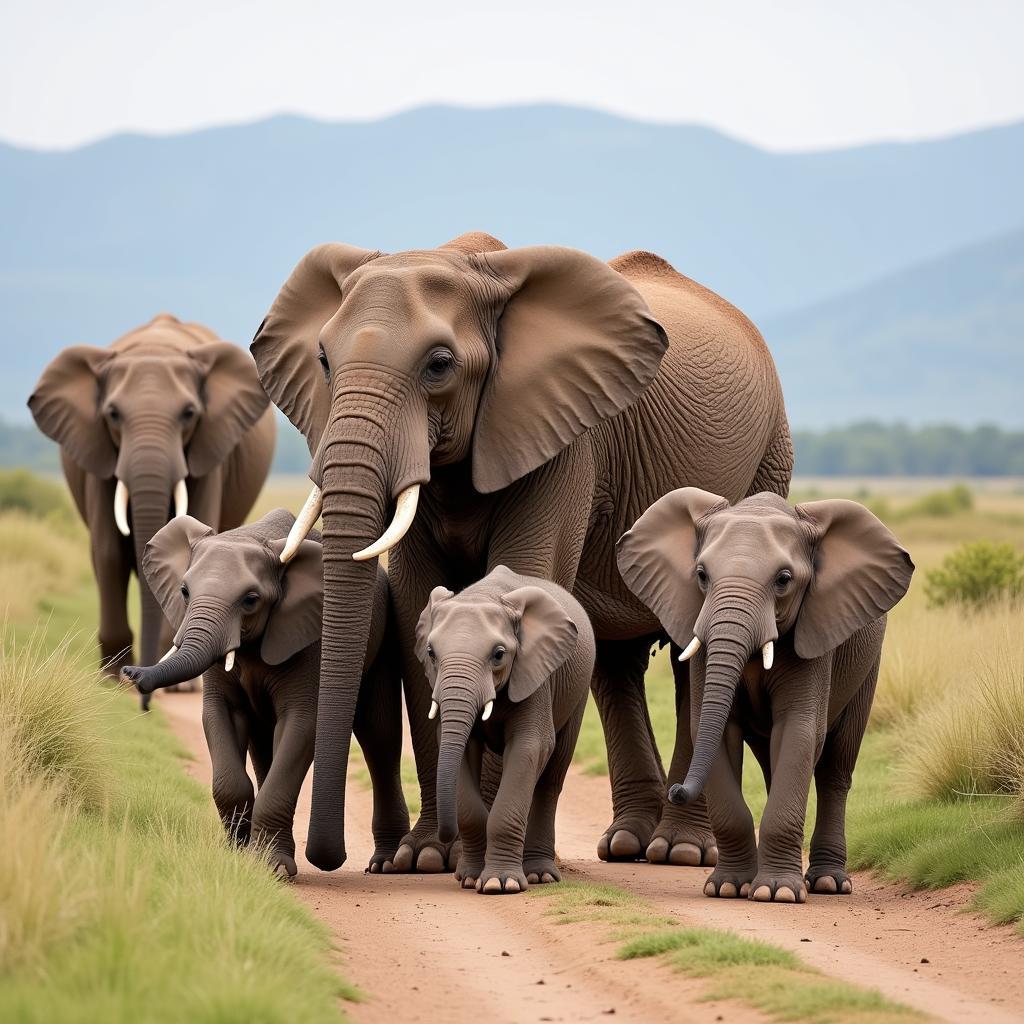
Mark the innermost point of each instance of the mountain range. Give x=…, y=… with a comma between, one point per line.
x=886, y=278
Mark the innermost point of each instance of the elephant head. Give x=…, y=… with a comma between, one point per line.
x=474, y=646
x=394, y=365
x=150, y=415
x=222, y=592
x=732, y=580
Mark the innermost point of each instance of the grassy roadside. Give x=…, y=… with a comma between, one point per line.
x=124, y=901
x=761, y=975
x=938, y=797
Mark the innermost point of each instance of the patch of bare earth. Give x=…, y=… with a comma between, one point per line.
x=423, y=950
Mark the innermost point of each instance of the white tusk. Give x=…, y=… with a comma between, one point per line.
x=691, y=649
x=768, y=655
x=121, y=508
x=173, y=650
x=180, y=499
x=303, y=524
x=405, y=512
x=488, y=708
x=229, y=661
x=433, y=710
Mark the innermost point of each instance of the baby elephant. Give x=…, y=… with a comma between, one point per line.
x=782, y=611
x=251, y=627
x=521, y=650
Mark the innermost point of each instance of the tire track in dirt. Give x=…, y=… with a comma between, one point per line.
x=422, y=949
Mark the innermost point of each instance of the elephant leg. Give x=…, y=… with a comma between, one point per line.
x=112, y=566
x=637, y=776
x=472, y=812
x=378, y=730
x=683, y=835
x=524, y=758
x=420, y=849
x=775, y=471
x=227, y=735
x=273, y=815
x=731, y=819
x=539, y=850
x=794, y=750
x=833, y=778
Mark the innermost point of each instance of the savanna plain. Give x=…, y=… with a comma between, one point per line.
x=121, y=899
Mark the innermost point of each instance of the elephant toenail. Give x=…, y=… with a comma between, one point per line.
x=492, y=885
x=785, y=895
x=685, y=855
x=548, y=877
x=532, y=878
x=727, y=889
x=403, y=858
x=430, y=861
x=512, y=885
x=709, y=889
x=762, y=894
x=624, y=844
x=658, y=850
x=711, y=856
x=388, y=867
x=847, y=886
x=825, y=884
x=745, y=890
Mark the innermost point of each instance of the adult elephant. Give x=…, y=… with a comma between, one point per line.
x=168, y=419
x=515, y=407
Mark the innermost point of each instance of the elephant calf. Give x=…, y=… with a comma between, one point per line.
x=521, y=651
x=251, y=626
x=782, y=613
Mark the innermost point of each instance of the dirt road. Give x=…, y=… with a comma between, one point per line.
x=424, y=950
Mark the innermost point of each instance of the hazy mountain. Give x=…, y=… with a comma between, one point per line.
x=940, y=342
x=208, y=224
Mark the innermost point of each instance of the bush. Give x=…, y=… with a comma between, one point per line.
x=942, y=504
x=36, y=496
x=975, y=575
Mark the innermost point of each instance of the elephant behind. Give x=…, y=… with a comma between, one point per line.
x=517, y=407
x=168, y=419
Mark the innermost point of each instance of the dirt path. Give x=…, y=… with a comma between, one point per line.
x=423, y=949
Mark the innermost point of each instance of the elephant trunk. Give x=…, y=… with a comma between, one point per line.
x=206, y=635
x=731, y=628
x=460, y=706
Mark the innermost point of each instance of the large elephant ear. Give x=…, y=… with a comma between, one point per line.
x=66, y=408
x=657, y=558
x=575, y=344
x=296, y=621
x=286, y=347
x=166, y=560
x=423, y=627
x=860, y=571
x=546, y=634
x=233, y=400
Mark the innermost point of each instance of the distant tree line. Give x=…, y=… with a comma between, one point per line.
x=879, y=449
x=862, y=449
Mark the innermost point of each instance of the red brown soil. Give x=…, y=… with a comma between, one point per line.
x=422, y=949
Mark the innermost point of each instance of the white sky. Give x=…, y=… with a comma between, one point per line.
x=787, y=74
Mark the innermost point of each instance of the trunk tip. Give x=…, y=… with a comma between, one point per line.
x=327, y=856
x=683, y=793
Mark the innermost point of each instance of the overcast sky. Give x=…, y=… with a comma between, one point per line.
x=788, y=74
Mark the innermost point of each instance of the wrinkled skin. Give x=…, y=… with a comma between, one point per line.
x=816, y=582
x=167, y=402
x=543, y=399
x=230, y=593
x=525, y=647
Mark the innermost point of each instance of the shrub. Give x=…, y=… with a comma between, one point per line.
x=36, y=496
x=977, y=574
x=941, y=504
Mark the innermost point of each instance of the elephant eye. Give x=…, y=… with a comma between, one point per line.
x=113, y=414
x=439, y=365
x=783, y=580
x=702, y=576
x=184, y=591
x=430, y=653
x=188, y=412
x=250, y=601
x=499, y=655
x=325, y=366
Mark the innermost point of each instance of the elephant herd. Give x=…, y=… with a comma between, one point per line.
x=565, y=461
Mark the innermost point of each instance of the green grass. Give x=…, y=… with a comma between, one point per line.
x=759, y=974
x=121, y=899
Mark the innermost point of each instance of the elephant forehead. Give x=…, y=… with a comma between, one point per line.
x=173, y=372
x=470, y=624
x=769, y=541
x=232, y=564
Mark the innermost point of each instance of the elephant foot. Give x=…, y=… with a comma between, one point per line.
x=469, y=871
x=381, y=863
x=730, y=881
x=501, y=881
x=284, y=865
x=778, y=887
x=828, y=881
x=422, y=851
x=683, y=838
x=541, y=870
x=628, y=837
